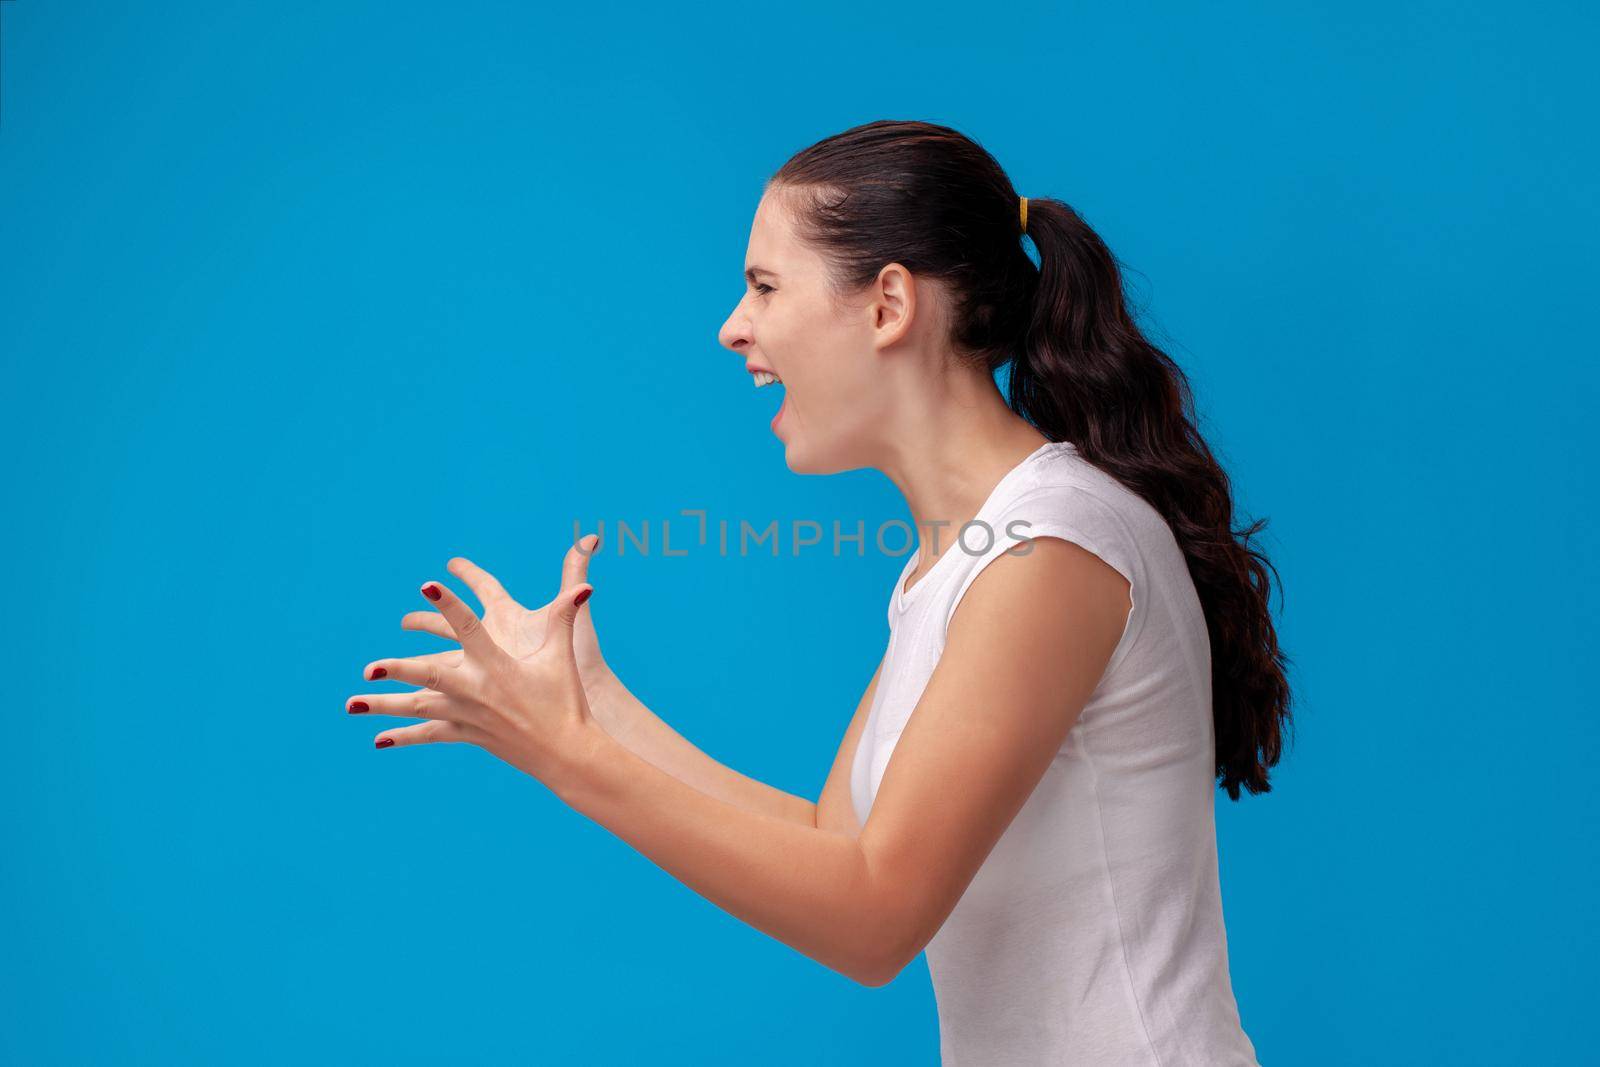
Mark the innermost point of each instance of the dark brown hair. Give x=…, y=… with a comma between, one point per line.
x=1080, y=369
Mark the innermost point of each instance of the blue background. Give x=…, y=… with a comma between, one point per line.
x=297, y=301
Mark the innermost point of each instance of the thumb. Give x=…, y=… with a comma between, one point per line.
x=575, y=568
x=566, y=613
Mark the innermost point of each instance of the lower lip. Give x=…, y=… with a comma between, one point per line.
x=781, y=409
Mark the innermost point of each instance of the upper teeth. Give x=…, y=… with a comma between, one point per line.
x=763, y=377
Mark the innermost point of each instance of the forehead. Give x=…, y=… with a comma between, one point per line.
x=773, y=246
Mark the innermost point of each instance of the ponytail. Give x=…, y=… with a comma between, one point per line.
x=1085, y=373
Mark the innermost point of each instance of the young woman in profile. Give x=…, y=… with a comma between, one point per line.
x=1026, y=789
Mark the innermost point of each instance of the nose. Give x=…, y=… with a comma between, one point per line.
x=735, y=332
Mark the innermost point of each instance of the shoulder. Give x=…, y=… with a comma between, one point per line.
x=1066, y=524
x=1065, y=489
x=1067, y=508
x=1055, y=583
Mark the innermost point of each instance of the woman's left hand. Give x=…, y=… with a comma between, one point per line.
x=530, y=711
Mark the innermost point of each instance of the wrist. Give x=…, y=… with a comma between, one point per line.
x=598, y=679
x=580, y=757
x=610, y=703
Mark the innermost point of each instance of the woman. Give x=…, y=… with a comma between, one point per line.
x=1026, y=790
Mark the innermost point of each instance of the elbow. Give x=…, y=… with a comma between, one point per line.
x=878, y=974
x=891, y=930
x=884, y=958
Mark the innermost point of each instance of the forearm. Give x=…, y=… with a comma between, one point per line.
x=812, y=889
x=635, y=727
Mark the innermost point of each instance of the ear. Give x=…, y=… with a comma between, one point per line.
x=894, y=304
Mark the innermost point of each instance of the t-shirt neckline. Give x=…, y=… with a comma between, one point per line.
x=904, y=598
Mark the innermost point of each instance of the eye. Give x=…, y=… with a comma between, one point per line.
x=763, y=288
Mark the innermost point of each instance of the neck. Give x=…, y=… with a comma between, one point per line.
x=948, y=446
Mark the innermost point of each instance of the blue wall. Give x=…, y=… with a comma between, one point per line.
x=297, y=301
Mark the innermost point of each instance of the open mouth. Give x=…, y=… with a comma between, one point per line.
x=765, y=378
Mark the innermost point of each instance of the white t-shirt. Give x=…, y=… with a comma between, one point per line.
x=1093, y=932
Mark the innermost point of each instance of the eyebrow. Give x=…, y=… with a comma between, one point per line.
x=751, y=272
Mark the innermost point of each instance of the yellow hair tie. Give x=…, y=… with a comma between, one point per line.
x=1024, y=213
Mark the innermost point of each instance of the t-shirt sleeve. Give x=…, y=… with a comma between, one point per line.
x=1070, y=513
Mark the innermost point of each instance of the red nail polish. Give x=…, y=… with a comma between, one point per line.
x=431, y=592
x=577, y=601
x=384, y=742
x=357, y=707
x=379, y=672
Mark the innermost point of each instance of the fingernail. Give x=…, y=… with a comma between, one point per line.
x=357, y=707
x=577, y=601
x=432, y=592
x=378, y=672
x=594, y=542
x=384, y=742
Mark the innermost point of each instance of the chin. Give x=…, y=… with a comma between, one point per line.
x=804, y=460
x=802, y=467
x=795, y=460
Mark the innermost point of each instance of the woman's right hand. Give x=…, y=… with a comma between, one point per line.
x=519, y=630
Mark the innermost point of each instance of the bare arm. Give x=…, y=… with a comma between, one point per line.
x=634, y=726
x=835, y=811
x=1016, y=671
